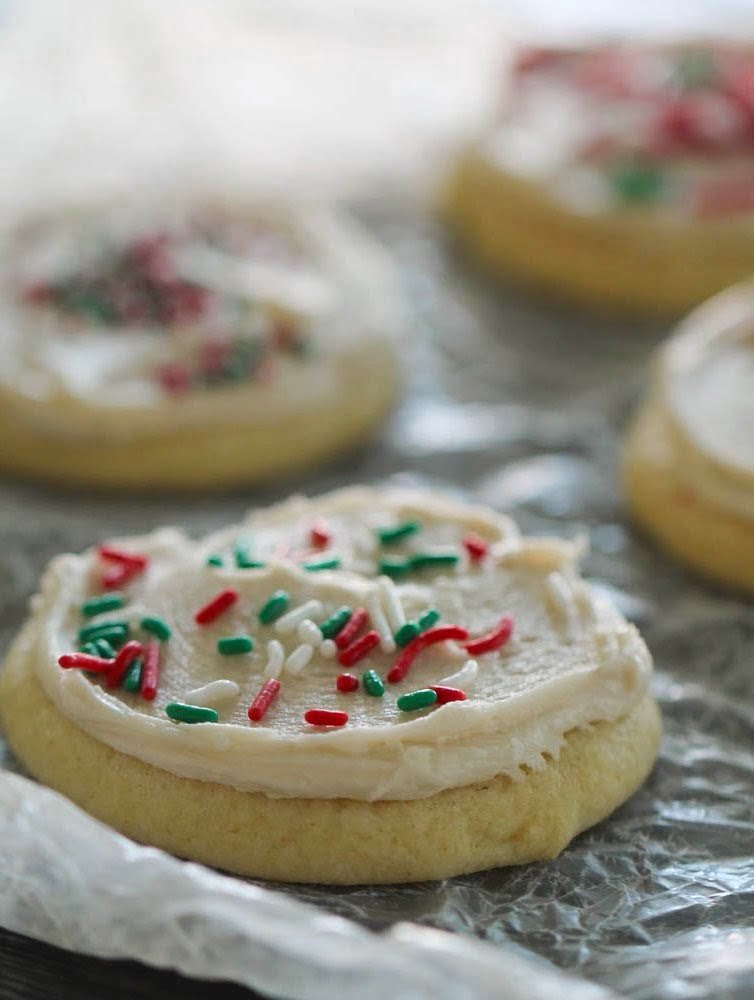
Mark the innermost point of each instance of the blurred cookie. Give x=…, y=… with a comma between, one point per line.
x=372, y=686
x=200, y=343
x=620, y=176
x=689, y=459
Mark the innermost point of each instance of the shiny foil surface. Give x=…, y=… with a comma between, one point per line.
x=519, y=404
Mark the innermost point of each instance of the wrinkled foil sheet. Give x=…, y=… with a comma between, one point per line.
x=520, y=405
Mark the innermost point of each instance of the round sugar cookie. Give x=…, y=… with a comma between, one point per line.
x=689, y=456
x=371, y=686
x=194, y=342
x=620, y=176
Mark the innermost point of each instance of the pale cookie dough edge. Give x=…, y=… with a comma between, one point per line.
x=712, y=542
x=337, y=841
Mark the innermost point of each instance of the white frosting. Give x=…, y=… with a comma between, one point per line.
x=704, y=388
x=68, y=378
x=613, y=96
x=522, y=699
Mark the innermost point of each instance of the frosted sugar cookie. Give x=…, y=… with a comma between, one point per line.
x=191, y=344
x=618, y=175
x=689, y=459
x=372, y=686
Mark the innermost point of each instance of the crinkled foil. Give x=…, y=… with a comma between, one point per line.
x=519, y=405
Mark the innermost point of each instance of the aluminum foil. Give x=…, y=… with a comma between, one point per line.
x=518, y=404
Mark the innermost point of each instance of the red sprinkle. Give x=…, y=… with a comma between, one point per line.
x=211, y=611
x=39, y=292
x=347, y=682
x=530, y=58
x=85, y=662
x=112, y=554
x=493, y=640
x=440, y=634
x=701, y=120
x=358, y=620
x=214, y=355
x=324, y=717
x=126, y=655
x=120, y=574
x=319, y=536
x=725, y=195
x=175, y=378
x=446, y=694
x=267, y=694
x=150, y=673
x=127, y=565
x=740, y=86
x=476, y=547
x=359, y=649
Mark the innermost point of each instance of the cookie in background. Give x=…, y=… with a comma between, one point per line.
x=618, y=175
x=191, y=343
x=689, y=457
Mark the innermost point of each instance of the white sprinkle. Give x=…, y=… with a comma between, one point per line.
x=464, y=677
x=560, y=599
x=328, y=649
x=451, y=649
x=275, y=659
x=380, y=623
x=586, y=600
x=392, y=602
x=290, y=621
x=213, y=692
x=364, y=543
x=308, y=631
x=299, y=658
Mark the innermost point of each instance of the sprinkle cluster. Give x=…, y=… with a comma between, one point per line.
x=139, y=284
x=131, y=656
x=661, y=105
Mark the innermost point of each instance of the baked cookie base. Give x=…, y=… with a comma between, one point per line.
x=615, y=263
x=717, y=545
x=336, y=841
x=209, y=458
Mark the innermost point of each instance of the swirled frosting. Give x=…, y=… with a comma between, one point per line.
x=634, y=126
x=572, y=659
x=146, y=318
x=704, y=392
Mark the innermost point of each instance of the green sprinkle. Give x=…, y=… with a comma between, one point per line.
x=406, y=633
x=638, y=182
x=426, y=560
x=314, y=567
x=243, y=555
x=156, y=626
x=215, y=560
x=90, y=648
x=274, y=607
x=696, y=68
x=132, y=680
x=104, y=648
x=388, y=536
x=395, y=567
x=231, y=645
x=416, y=700
x=373, y=683
x=107, y=602
x=332, y=625
x=179, y=712
x=114, y=630
x=236, y=372
x=428, y=619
